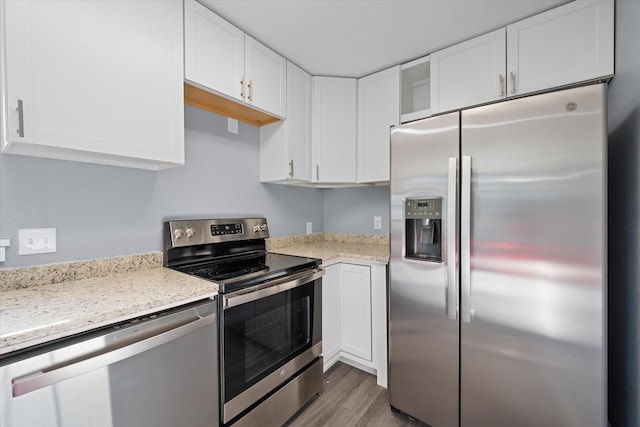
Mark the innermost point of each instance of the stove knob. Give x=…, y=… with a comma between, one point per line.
x=190, y=232
x=256, y=228
x=263, y=227
x=178, y=233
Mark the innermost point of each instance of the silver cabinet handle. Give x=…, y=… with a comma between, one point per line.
x=123, y=350
x=512, y=78
x=250, y=86
x=20, y=111
x=242, y=86
x=317, y=172
x=501, y=83
x=452, y=238
x=465, y=240
x=291, y=168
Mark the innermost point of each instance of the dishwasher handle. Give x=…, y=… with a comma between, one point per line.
x=120, y=350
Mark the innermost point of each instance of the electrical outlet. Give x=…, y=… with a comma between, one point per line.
x=377, y=223
x=36, y=241
x=309, y=227
x=232, y=125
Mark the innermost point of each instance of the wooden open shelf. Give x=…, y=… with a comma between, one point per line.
x=216, y=104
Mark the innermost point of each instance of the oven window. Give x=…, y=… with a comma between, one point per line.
x=261, y=335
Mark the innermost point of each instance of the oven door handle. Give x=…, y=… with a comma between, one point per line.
x=270, y=288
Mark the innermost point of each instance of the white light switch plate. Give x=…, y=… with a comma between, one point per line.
x=309, y=227
x=377, y=223
x=36, y=241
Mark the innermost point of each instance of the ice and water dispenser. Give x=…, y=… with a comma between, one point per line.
x=423, y=229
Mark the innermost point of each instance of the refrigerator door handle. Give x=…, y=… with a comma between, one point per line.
x=452, y=238
x=465, y=240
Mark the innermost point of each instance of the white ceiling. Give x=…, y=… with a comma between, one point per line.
x=353, y=38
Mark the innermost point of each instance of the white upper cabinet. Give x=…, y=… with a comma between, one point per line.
x=469, y=73
x=214, y=51
x=265, y=75
x=415, y=89
x=98, y=82
x=378, y=107
x=334, y=130
x=568, y=44
x=223, y=59
x=285, y=146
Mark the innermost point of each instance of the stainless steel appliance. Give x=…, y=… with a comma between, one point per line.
x=148, y=372
x=497, y=310
x=270, y=328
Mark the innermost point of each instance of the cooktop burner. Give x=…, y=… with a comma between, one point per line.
x=227, y=270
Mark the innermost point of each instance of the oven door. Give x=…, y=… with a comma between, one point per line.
x=269, y=333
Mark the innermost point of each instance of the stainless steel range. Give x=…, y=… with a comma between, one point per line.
x=270, y=328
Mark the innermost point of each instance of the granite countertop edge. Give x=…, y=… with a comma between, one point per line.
x=39, y=314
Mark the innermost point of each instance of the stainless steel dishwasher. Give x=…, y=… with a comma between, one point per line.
x=158, y=370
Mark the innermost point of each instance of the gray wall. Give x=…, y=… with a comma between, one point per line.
x=102, y=211
x=624, y=221
x=351, y=210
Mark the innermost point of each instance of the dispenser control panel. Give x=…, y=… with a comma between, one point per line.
x=423, y=209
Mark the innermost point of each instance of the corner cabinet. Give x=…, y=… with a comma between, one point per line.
x=285, y=146
x=354, y=317
x=222, y=60
x=334, y=130
x=378, y=110
x=93, y=82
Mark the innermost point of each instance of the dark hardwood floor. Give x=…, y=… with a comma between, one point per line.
x=350, y=397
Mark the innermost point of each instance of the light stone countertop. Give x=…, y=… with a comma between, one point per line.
x=43, y=303
x=37, y=314
x=329, y=247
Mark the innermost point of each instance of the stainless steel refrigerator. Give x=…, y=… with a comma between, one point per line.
x=498, y=264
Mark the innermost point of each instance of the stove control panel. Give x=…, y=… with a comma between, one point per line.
x=203, y=231
x=225, y=229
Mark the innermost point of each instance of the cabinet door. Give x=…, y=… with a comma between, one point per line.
x=214, y=51
x=265, y=77
x=285, y=146
x=331, y=312
x=355, y=310
x=469, y=73
x=568, y=44
x=378, y=110
x=299, y=122
x=97, y=81
x=334, y=130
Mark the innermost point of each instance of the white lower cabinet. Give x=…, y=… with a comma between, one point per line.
x=354, y=317
x=355, y=310
x=331, y=314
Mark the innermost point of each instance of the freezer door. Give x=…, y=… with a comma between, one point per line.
x=423, y=373
x=533, y=272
